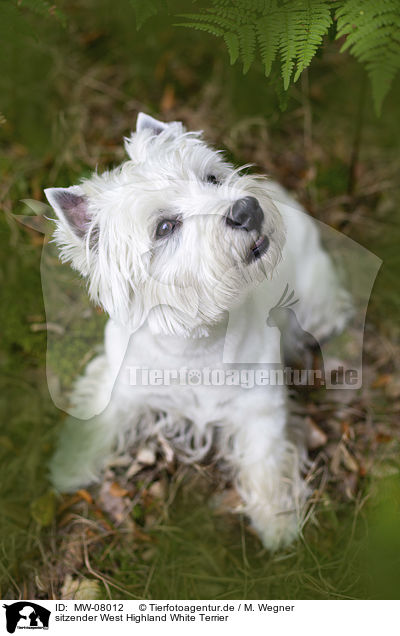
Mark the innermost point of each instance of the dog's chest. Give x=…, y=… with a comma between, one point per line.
x=170, y=375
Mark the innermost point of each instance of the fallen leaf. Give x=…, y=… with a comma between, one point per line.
x=383, y=438
x=167, y=449
x=336, y=457
x=84, y=494
x=346, y=429
x=113, y=501
x=134, y=468
x=157, y=490
x=67, y=502
x=227, y=501
x=350, y=485
x=382, y=380
x=117, y=491
x=348, y=460
x=315, y=437
x=85, y=589
x=146, y=456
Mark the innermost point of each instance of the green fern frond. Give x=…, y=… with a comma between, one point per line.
x=241, y=7
x=287, y=44
x=232, y=43
x=372, y=31
x=145, y=9
x=313, y=19
x=268, y=33
x=201, y=26
x=247, y=41
x=233, y=13
x=223, y=22
x=293, y=30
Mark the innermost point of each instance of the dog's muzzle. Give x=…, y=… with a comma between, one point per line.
x=246, y=214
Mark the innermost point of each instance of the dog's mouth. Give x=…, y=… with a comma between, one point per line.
x=259, y=248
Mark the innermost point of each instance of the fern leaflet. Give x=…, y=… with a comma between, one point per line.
x=372, y=32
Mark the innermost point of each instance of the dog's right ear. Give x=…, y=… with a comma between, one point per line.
x=144, y=122
x=74, y=227
x=71, y=207
x=137, y=144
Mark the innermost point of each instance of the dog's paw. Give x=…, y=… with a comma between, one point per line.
x=82, y=450
x=67, y=476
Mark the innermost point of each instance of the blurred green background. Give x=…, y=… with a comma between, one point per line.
x=70, y=89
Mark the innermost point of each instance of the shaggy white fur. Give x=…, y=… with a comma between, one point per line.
x=187, y=278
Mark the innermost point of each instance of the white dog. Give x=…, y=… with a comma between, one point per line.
x=186, y=255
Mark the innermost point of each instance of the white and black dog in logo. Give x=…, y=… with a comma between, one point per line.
x=26, y=615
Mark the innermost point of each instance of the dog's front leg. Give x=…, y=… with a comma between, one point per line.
x=267, y=472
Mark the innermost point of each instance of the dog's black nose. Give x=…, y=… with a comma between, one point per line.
x=246, y=214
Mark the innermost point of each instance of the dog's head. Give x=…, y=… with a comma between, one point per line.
x=174, y=235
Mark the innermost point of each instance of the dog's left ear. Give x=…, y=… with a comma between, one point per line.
x=144, y=122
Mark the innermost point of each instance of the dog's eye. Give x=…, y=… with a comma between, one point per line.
x=165, y=227
x=211, y=178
